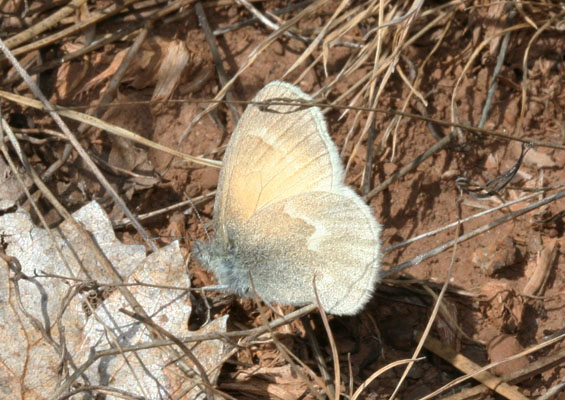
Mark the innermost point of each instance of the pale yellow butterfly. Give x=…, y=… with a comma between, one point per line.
x=283, y=216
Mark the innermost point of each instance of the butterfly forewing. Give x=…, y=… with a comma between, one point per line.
x=275, y=152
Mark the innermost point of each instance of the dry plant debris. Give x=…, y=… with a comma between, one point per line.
x=417, y=94
x=54, y=325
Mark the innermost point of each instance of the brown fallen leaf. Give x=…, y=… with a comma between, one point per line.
x=158, y=63
x=539, y=159
x=503, y=307
x=269, y=382
x=546, y=259
x=173, y=64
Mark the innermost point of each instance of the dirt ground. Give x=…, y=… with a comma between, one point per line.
x=492, y=309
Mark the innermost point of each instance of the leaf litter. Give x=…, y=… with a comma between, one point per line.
x=73, y=325
x=437, y=59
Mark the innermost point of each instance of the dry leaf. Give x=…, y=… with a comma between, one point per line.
x=539, y=159
x=276, y=382
x=545, y=260
x=32, y=367
x=504, y=308
x=10, y=189
x=170, y=71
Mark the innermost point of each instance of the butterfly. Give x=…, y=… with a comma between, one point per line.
x=283, y=217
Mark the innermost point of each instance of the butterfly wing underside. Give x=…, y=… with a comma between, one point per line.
x=283, y=216
x=275, y=152
x=329, y=237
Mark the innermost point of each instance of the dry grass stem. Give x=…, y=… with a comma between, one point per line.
x=465, y=365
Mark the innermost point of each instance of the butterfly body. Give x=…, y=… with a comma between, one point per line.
x=283, y=217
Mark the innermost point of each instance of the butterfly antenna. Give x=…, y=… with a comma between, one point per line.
x=199, y=218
